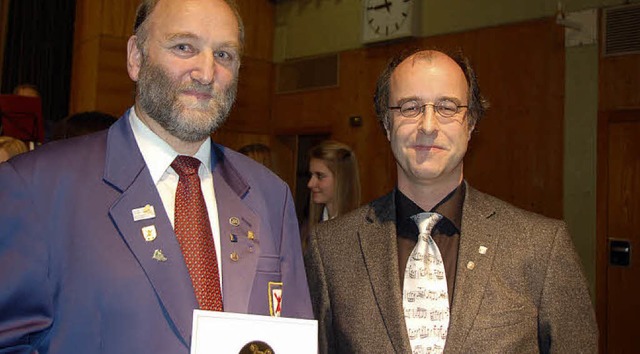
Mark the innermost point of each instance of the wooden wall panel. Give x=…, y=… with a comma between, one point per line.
x=84, y=75
x=619, y=99
x=619, y=83
x=252, y=111
x=516, y=153
x=115, y=88
x=259, y=22
x=118, y=17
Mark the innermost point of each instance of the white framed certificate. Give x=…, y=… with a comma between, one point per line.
x=234, y=333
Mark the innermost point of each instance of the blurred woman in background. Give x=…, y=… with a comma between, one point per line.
x=334, y=183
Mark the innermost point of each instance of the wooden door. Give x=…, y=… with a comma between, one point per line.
x=620, y=306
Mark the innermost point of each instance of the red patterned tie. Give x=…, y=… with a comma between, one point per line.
x=193, y=230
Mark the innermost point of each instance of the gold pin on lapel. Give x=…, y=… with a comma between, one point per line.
x=234, y=256
x=144, y=213
x=234, y=221
x=149, y=233
x=233, y=238
x=250, y=235
x=471, y=265
x=159, y=256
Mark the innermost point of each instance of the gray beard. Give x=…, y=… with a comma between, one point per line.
x=158, y=97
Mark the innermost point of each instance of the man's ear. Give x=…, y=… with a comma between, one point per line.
x=134, y=58
x=471, y=129
x=387, y=128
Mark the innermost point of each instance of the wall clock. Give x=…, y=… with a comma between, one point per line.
x=388, y=19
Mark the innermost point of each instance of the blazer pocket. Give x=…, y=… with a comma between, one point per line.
x=503, y=318
x=268, y=264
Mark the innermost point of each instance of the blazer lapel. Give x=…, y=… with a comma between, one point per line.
x=475, y=258
x=240, y=234
x=377, y=237
x=161, y=259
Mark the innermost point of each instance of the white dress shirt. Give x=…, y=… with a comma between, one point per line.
x=158, y=155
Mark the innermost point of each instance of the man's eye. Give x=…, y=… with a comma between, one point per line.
x=448, y=109
x=183, y=49
x=224, y=55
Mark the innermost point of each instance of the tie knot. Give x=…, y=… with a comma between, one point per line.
x=426, y=221
x=185, y=165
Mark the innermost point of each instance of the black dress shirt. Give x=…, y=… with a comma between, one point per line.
x=446, y=233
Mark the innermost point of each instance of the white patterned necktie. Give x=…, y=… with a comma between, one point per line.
x=425, y=296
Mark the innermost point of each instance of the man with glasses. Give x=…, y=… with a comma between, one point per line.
x=436, y=265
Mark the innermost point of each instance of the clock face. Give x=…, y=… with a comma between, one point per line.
x=385, y=19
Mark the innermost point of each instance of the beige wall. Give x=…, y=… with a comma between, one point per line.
x=311, y=27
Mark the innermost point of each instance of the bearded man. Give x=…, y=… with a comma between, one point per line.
x=110, y=241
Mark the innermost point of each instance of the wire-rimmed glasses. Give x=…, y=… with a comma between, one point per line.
x=445, y=108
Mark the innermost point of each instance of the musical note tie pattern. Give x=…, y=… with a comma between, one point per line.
x=425, y=296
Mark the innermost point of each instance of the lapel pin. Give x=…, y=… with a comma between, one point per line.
x=149, y=233
x=250, y=235
x=482, y=250
x=233, y=238
x=471, y=265
x=234, y=221
x=234, y=256
x=159, y=256
x=144, y=213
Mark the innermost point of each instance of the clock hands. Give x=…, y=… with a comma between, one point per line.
x=387, y=5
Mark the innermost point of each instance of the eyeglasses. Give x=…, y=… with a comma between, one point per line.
x=446, y=108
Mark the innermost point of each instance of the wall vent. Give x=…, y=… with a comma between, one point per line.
x=307, y=74
x=621, y=30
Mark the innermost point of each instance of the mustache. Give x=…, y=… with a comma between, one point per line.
x=195, y=86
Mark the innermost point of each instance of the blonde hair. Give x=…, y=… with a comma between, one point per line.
x=342, y=162
x=12, y=146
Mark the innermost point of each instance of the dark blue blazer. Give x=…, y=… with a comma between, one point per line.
x=77, y=275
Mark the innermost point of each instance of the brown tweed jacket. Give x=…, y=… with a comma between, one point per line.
x=525, y=294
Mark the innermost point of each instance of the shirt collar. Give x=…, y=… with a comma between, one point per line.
x=157, y=154
x=450, y=207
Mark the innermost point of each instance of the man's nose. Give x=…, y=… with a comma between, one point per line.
x=205, y=68
x=428, y=120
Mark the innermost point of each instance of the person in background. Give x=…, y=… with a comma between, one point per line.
x=10, y=147
x=109, y=242
x=81, y=124
x=27, y=90
x=435, y=265
x=258, y=152
x=30, y=90
x=334, y=183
